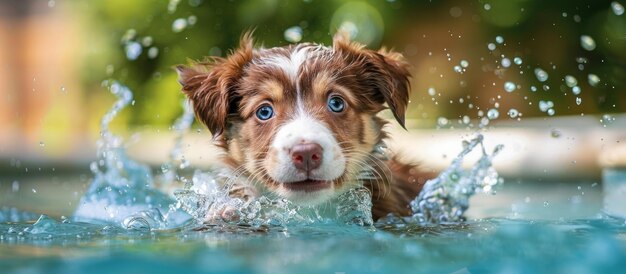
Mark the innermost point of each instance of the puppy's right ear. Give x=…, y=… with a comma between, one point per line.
x=211, y=85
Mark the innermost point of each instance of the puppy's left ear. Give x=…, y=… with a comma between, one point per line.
x=394, y=82
x=386, y=71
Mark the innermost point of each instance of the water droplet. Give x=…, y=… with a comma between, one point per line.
x=432, y=91
x=607, y=119
x=153, y=52
x=464, y=63
x=34, y=190
x=593, y=80
x=133, y=50
x=42, y=144
x=51, y=4
x=499, y=39
x=129, y=35
x=506, y=62
x=545, y=105
x=179, y=25
x=579, y=100
x=555, y=133
x=541, y=75
x=570, y=81
x=491, y=46
x=442, y=121
x=466, y=119
x=493, y=114
x=576, y=90
x=517, y=60
x=487, y=7
x=63, y=89
x=458, y=69
x=165, y=168
x=293, y=34
x=192, y=19
x=546, y=204
x=147, y=41
x=617, y=8
x=587, y=42
x=533, y=88
x=513, y=113
x=551, y=112
x=15, y=186
x=509, y=86
x=172, y=6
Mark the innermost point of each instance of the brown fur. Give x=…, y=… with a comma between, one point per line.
x=226, y=92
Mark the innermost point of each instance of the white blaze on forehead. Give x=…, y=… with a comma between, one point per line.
x=292, y=64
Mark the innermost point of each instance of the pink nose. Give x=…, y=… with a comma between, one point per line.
x=307, y=156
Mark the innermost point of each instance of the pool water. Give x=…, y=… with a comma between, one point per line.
x=595, y=245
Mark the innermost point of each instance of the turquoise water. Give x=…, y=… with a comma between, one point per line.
x=596, y=245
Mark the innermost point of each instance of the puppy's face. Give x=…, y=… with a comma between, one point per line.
x=298, y=120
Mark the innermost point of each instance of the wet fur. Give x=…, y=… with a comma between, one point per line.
x=225, y=93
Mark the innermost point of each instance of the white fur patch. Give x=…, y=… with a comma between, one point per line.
x=305, y=129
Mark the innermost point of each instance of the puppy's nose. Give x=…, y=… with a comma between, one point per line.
x=307, y=156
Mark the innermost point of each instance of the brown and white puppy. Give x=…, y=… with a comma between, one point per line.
x=300, y=121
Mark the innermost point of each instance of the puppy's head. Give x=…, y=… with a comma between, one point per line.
x=300, y=121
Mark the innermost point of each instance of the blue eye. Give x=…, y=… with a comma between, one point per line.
x=265, y=112
x=336, y=104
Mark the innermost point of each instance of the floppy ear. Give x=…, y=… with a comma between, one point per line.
x=394, y=82
x=387, y=71
x=211, y=85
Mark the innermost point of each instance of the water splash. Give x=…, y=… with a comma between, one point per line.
x=446, y=197
x=121, y=187
x=207, y=200
x=177, y=159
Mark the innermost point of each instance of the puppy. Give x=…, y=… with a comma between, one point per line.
x=300, y=121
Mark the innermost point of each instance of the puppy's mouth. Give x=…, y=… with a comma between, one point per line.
x=308, y=185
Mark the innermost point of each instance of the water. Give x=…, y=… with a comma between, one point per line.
x=446, y=197
x=127, y=222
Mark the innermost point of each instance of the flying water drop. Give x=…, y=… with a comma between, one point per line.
x=293, y=34
x=617, y=8
x=133, y=50
x=506, y=62
x=570, y=81
x=493, y=114
x=179, y=25
x=442, y=121
x=587, y=42
x=509, y=86
x=593, y=80
x=541, y=75
x=432, y=91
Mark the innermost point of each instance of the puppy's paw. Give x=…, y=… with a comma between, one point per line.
x=226, y=214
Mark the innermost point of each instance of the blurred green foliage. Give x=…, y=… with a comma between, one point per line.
x=170, y=32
